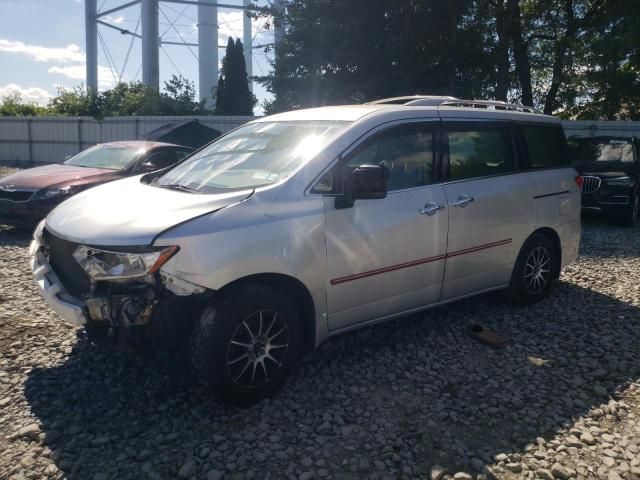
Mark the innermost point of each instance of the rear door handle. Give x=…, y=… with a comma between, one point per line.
x=431, y=208
x=462, y=201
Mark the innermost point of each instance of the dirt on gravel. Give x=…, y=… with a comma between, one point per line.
x=412, y=398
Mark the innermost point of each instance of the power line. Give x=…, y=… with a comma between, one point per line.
x=106, y=53
x=185, y=16
x=171, y=61
x=176, y=30
x=171, y=24
x=126, y=59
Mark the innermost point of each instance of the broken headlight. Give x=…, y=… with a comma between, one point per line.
x=112, y=265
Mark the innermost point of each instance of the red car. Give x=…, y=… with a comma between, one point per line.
x=29, y=195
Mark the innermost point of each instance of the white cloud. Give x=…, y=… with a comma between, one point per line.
x=78, y=72
x=68, y=54
x=28, y=94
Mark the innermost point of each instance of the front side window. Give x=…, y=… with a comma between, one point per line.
x=407, y=152
x=254, y=155
x=546, y=146
x=160, y=160
x=111, y=157
x=479, y=153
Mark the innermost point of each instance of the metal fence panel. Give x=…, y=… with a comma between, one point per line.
x=37, y=140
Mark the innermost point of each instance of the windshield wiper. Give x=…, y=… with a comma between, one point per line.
x=177, y=186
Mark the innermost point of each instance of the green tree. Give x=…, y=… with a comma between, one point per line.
x=13, y=106
x=233, y=96
x=572, y=57
x=180, y=98
x=337, y=51
x=76, y=102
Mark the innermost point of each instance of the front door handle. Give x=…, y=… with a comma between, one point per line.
x=462, y=201
x=431, y=208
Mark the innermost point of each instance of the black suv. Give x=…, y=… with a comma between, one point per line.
x=610, y=171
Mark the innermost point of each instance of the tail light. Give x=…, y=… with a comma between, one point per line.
x=579, y=181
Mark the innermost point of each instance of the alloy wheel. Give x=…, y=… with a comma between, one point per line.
x=537, y=270
x=258, y=349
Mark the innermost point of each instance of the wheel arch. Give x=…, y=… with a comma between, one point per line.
x=554, y=238
x=293, y=288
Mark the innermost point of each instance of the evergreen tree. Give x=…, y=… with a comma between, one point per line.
x=233, y=96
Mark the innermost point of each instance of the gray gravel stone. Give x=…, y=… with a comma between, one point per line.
x=385, y=402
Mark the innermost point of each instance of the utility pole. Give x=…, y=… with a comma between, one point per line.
x=150, y=44
x=91, y=43
x=278, y=24
x=248, y=42
x=207, y=50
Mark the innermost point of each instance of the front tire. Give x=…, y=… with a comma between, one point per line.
x=245, y=344
x=535, y=271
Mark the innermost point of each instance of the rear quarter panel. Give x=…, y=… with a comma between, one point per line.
x=557, y=205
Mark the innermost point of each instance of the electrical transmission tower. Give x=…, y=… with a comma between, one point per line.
x=151, y=40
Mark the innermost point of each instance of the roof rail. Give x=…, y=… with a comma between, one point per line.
x=446, y=101
x=424, y=100
x=491, y=105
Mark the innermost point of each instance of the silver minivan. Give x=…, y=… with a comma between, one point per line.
x=303, y=225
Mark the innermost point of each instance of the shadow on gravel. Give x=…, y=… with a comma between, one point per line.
x=403, y=395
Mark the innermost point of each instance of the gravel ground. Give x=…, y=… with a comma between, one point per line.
x=413, y=398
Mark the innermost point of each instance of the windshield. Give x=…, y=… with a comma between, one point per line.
x=106, y=156
x=254, y=155
x=587, y=150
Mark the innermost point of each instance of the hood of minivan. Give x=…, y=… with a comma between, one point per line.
x=128, y=212
x=58, y=175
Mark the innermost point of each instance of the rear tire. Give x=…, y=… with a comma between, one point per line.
x=245, y=344
x=535, y=271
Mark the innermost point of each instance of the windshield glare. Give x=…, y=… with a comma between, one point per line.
x=598, y=150
x=105, y=156
x=254, y=155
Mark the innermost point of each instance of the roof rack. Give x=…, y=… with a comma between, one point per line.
x=424, y=100
x=491, y=105
x=446, y=101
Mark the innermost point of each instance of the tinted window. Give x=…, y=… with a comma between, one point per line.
x=182, y=153
x=479, y=153
x=546, y=146
x=610, y=150
x=161, y=159
x=406, y=151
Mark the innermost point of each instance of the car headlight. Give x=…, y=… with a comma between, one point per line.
x=56, y=192
x=112, y=265
x=620, y=181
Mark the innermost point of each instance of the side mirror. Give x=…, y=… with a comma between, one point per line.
x=366, y=182
x=148, y=167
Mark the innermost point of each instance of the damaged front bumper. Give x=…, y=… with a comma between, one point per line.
x=116, y=304
x=50, y=287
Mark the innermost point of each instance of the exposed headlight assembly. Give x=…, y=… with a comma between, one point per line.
x=112, y=265
x=620, y=181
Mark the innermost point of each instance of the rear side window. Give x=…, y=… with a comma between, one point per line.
x=545, y=145
x=479, y=153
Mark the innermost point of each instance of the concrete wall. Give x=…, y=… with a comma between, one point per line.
x=35, y=140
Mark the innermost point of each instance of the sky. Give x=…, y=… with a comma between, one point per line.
x=42, y=45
